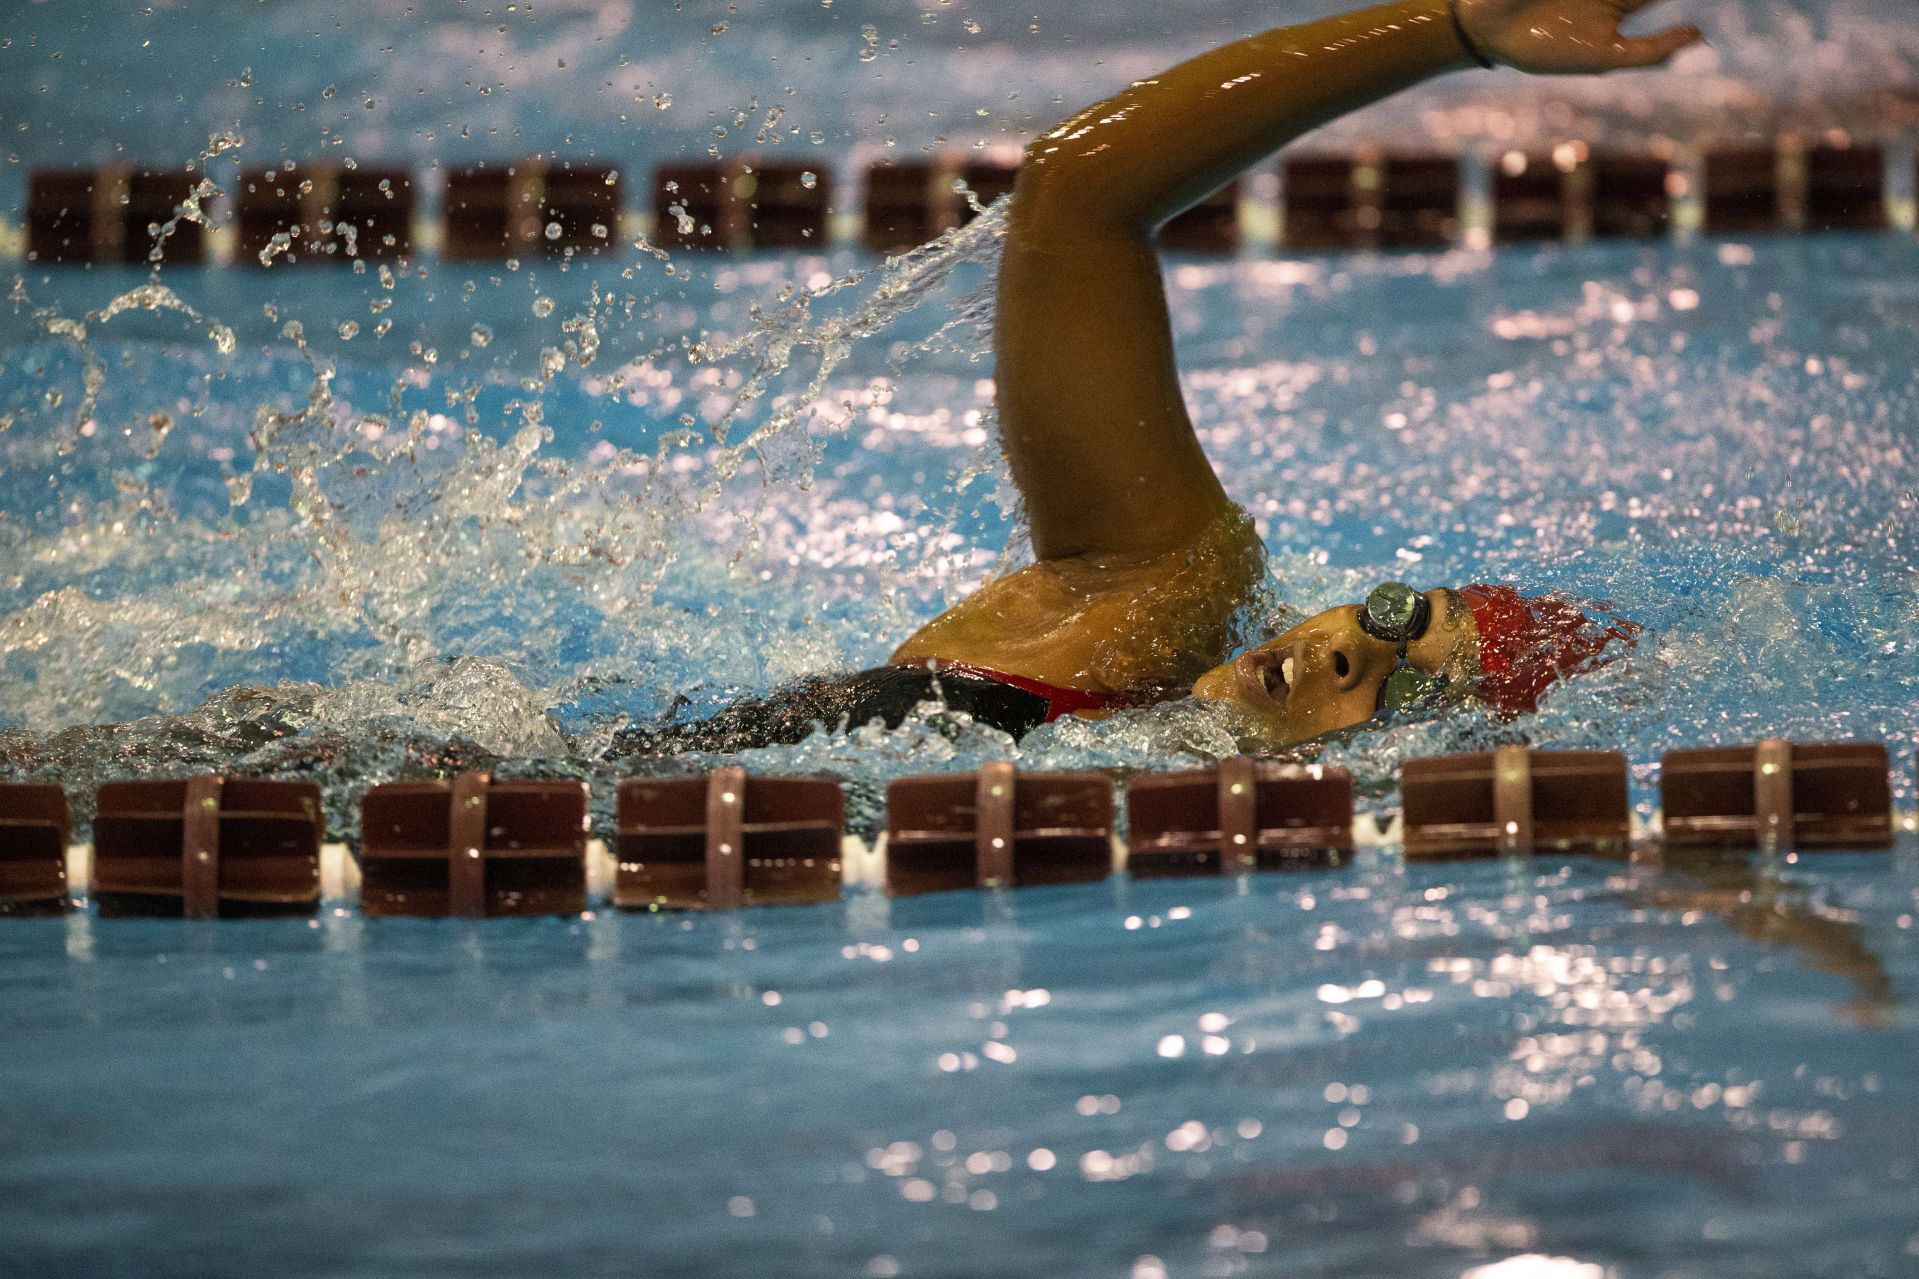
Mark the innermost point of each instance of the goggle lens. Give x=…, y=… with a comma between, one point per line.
x=1395, y=612
x=1408, y=687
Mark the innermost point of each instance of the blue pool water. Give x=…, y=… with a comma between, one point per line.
x=1381, y=1070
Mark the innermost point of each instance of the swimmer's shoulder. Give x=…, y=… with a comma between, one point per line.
x=1111, y=622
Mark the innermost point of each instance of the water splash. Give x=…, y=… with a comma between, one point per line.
x=362, y=544
x=653, y=489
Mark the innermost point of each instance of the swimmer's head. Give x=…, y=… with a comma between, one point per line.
x=1397, y=653
x=1402, y=653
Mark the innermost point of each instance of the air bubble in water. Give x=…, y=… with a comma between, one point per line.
x=553, y=230
x=542, y=307
x=349, y=329
x=809, y=180
x=662, y=100
x=481, y=335
x=869, y=42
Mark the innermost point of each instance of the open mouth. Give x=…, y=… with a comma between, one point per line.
x=1270, y=674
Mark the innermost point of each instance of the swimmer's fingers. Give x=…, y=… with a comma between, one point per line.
x=1655, y=49
x=1566, y=37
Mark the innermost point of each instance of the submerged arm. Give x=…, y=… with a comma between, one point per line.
x=1091, y=416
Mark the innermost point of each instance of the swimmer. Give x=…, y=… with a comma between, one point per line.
x=1143, y=564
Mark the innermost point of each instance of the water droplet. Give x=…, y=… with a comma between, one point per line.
x=662, y=100
x=349, y=329
x=809, y=180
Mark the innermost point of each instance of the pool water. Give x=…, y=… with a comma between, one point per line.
x=1704, y=1069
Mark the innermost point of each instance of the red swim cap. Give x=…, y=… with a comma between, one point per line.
x=1528, y=642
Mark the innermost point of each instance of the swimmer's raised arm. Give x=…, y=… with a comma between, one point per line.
x=1162, y=144
x=1090, y=410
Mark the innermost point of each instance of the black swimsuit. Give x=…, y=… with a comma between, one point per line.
x=887, y=693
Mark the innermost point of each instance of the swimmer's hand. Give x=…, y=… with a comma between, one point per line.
x=1567, y=37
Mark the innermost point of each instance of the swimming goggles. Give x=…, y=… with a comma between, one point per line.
x=1397, y=614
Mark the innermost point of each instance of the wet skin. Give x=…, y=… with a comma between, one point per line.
x=1326, y=673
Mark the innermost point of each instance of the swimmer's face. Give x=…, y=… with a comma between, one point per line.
x=1326, y=673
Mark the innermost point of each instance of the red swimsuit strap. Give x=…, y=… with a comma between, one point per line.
x=1060, y=702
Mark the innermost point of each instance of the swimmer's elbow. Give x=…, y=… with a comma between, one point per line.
x=1072, y=191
